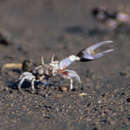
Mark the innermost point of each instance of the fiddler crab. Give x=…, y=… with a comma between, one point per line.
x=44, y=71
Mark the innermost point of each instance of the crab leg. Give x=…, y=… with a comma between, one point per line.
x=20, y=84
x=32, y=84
x=71, y=84
x=70, y=74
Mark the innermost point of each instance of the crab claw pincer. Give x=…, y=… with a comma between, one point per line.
x=88, y=54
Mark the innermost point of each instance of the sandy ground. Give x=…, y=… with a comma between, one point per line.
x=45, y=27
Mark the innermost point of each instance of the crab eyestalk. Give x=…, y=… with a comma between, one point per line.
x=42, y=60
x=52, y=58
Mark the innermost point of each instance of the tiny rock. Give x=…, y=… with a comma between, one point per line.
x=64, y=88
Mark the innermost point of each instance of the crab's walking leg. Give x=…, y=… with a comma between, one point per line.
x=70, y=74
x=71, y=84
x=20, y=84
x=32, y=84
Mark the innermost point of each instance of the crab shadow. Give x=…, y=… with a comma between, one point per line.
x=26, y=86
x=53, y=84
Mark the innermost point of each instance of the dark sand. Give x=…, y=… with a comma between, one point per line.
x=43, y=27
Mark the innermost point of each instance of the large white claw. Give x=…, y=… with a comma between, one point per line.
x=88, y=54
x=68, y=61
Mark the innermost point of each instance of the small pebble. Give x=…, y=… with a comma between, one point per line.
x=82, y=94
x=128, y=100
x=64, y=89
x=99, y=101
x=129, y=117
x=95, y=128
x=123, y=73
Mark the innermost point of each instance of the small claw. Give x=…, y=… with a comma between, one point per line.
x=89, y=54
